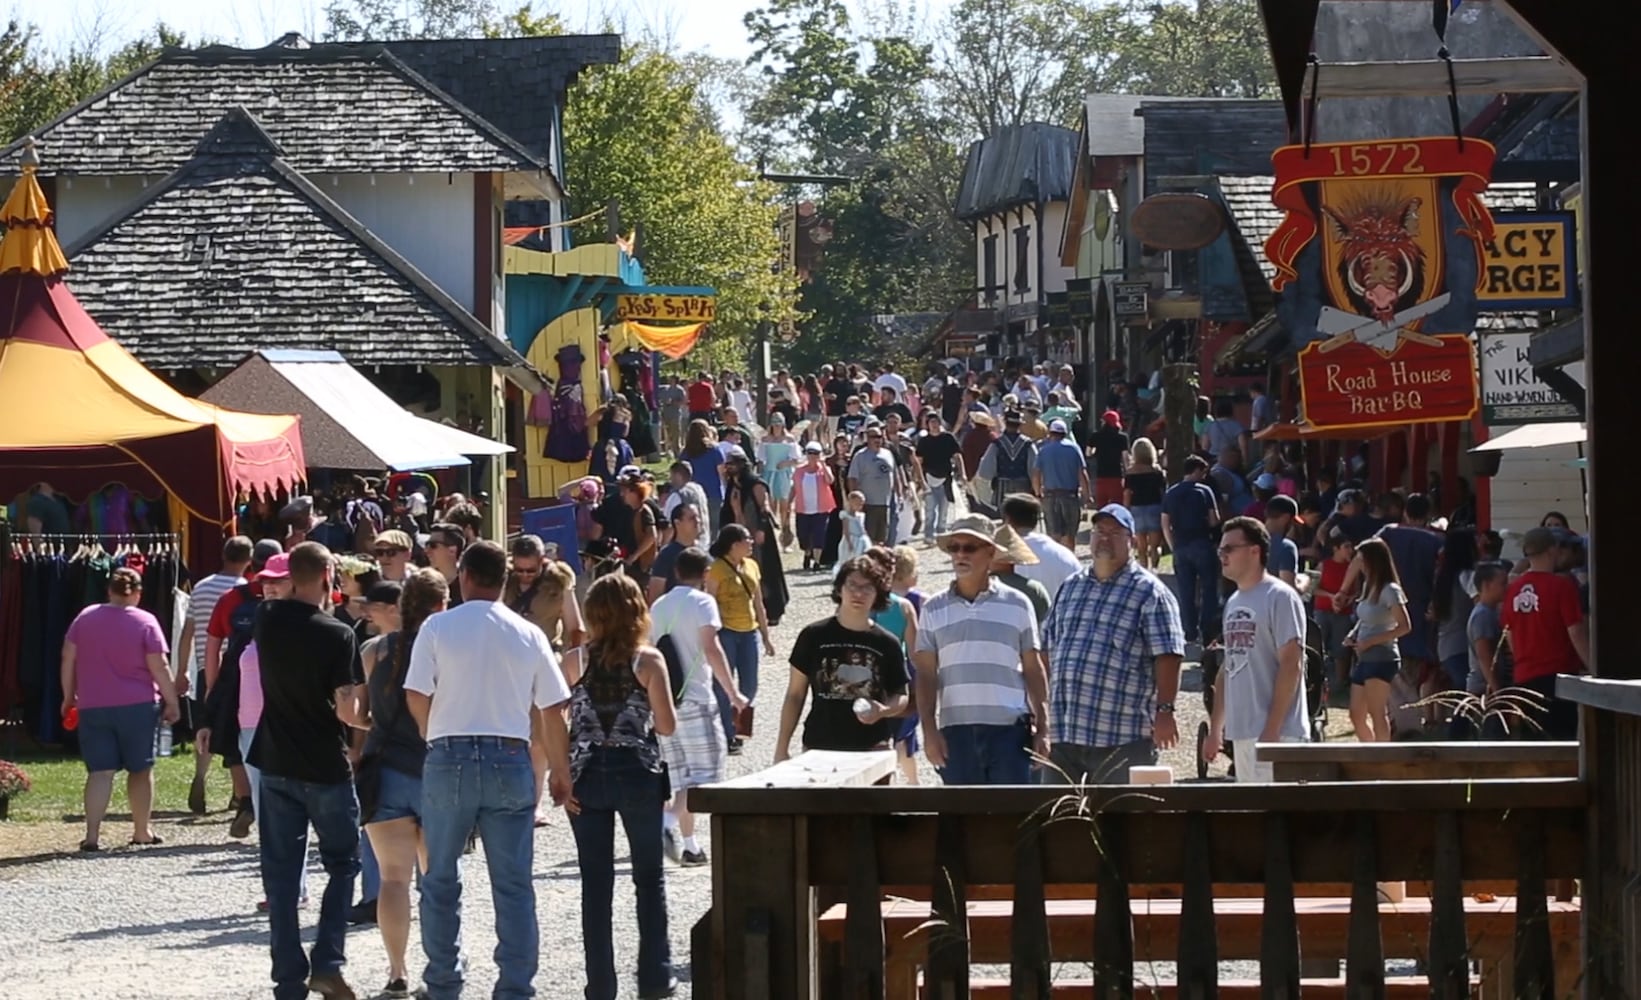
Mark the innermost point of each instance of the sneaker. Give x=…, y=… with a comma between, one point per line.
x=240, y=828
x=196, y=796
x=362, y=913
x=396, y=989
x=694, y=859
x=672, y=841
x=301, y=904
x=735, y=747
x=331, y=986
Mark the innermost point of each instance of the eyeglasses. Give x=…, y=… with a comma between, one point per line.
x=385, y=553
x=865, y=587
x=527, y=571
x=967, y=548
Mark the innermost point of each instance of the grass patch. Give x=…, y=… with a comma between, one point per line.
x=58, y=794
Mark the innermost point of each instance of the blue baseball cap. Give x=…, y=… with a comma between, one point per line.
x=1117, y=512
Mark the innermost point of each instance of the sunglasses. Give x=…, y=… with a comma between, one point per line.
x=967, y=548
x=384, y=553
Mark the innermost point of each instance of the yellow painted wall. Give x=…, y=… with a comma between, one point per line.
x=468, y=391
x=544, y=477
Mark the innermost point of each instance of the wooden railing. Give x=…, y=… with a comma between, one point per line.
x=780, y=850
x=1419, y=761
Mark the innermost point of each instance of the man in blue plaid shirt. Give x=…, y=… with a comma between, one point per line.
x=1114, y=644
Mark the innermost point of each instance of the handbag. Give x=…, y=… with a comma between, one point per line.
x=367, y=774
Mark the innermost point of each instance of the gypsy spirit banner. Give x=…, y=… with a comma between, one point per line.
x=1382, y=252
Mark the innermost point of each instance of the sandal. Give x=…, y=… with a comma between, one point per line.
x=89, y=847
x=150, y=842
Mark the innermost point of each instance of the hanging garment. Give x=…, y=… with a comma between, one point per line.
x=567, y=427
x=641, y=432
x=11, y=630
x=540, y=413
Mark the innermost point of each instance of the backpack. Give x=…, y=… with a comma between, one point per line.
x=241, y=625
x=1012, y=457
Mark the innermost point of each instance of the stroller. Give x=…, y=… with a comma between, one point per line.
x=1316, y=692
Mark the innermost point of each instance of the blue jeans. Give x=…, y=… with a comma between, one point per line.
x=987, y=755
x=614, y=783
x=1197, y=574
x=288, y=807
x=934, y=512
x=484, y=782
x=741, y=650
x=253, y=775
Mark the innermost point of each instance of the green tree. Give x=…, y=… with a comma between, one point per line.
x=382, y=20
x=639, y=134
x=37, y=85
x=1200, y=48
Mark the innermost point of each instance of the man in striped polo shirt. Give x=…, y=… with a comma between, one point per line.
x=982, y=690
x=189, y=656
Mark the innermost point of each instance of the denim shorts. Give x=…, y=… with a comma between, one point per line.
x=1147, y=518
x=400, y=797
x=120, y=737
x=1375, y=670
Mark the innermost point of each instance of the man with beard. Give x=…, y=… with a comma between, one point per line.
x=1114, y=645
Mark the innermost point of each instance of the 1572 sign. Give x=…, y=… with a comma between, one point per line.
x=1528, y=262
x=692, y=308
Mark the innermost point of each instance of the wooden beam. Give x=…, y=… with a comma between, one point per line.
x=1428, y=77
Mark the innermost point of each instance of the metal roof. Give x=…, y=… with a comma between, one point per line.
x=1017, y=165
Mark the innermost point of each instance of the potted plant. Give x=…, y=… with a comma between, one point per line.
x=13, y=782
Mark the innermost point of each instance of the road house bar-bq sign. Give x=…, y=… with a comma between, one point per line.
x=1379, y=261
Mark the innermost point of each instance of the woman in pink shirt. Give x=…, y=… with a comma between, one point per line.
x=813, y=501
x=116, y=676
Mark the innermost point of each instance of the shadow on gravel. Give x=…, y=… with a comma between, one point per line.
x=163, y=851
x=247, y=928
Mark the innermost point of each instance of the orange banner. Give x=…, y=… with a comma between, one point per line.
x=673, y=341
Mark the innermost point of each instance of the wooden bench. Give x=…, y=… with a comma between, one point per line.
x=1238, y=927
x=1197, y=842
x=1071, y=988
x=1418, y=761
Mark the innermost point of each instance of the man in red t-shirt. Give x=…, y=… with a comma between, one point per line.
x=1544, y=620
x=703, y=398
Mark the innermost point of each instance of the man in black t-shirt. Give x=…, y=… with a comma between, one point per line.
x=941, y=458
x=891, y=405
x=835, y=390
x=1110, y=459
x=855, y=668
x=305, y=659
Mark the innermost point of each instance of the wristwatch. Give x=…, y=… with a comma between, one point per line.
x=1165, y=706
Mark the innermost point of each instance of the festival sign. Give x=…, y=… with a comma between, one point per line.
x=1530, y=262
x=650, y=306
x=1379, y=261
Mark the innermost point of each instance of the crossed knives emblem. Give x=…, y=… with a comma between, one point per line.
x=1344, y=327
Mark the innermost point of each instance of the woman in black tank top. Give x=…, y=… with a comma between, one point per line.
x=620, y=702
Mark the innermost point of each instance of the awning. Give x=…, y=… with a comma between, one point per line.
x=347, y=423
x=1537, y=436
x=1301, y=432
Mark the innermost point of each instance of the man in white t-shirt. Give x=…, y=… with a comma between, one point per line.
x=483, y=682
x=1055, y=563
x=890, y=379
x=697, y=751
x=1260, y=694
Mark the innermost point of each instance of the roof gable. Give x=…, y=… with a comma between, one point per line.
x=332, y=109
x=237, y=251
x=1016, y=165
x=517, y=84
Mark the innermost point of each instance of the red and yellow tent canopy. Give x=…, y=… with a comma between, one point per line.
x=78, y=411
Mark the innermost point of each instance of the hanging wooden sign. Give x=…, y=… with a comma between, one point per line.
x=1379, y=260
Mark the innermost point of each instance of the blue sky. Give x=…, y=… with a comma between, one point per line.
x=711, y=25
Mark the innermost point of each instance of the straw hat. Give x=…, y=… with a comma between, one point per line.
x=1010, y=546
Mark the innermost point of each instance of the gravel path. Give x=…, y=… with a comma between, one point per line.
x=178, y=922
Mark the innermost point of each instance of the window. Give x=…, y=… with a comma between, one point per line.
x=1022, y=259
x=988, y=256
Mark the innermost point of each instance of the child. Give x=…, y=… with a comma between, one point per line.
x=1333, y=610
x=904, y=585
x=855, y=542
x=1489, y=663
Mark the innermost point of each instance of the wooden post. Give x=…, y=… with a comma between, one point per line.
x=763, y=908
x=1180, y=402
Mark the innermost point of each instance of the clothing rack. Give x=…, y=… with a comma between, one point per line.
x=13, y=540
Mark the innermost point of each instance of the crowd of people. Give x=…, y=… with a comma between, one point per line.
x=431, y=689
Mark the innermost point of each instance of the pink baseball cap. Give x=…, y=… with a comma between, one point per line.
x=278, y=568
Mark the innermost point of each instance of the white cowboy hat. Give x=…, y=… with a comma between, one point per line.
x=1008, y=543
